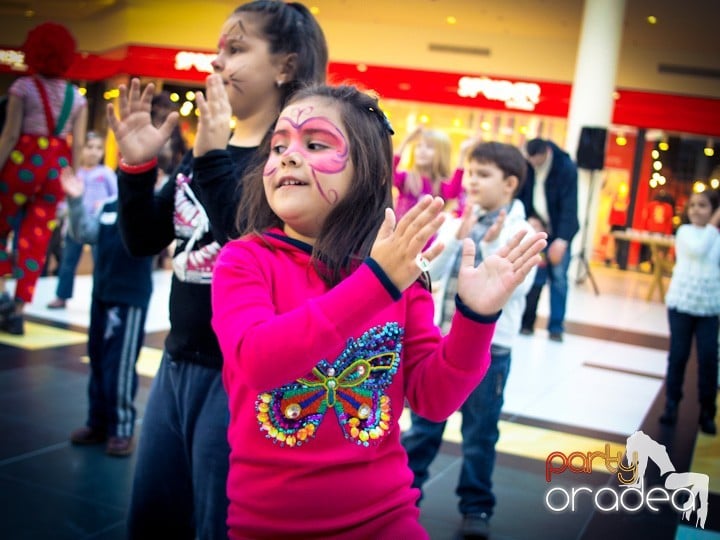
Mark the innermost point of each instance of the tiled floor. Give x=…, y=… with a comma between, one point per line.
x=600, y=386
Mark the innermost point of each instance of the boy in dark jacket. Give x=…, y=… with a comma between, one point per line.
x=122, y=286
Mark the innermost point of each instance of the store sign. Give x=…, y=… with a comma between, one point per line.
x=13, y=58
x=185, y=60
x=516, y=95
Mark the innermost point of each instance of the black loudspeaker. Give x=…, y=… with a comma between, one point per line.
x=591, y=148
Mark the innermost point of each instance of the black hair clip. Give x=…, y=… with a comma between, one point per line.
x=383, y=119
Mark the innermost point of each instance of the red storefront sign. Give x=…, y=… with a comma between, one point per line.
x=685, y=114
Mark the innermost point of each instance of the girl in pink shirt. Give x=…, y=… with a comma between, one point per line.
x=326, y=328
x=429, y=173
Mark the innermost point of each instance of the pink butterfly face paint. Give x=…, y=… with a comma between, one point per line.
x=315, y=141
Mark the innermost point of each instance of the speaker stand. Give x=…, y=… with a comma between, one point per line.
x=583, y=269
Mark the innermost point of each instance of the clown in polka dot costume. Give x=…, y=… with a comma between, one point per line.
x=45, y=113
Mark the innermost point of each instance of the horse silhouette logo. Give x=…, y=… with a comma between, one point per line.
x=640, y=448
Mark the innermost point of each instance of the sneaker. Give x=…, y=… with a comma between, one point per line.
x=58, y=303
x=527, y=331
x=119, y=446
x=13, y=324
x=87, y=435
x=475, y=526
x=556, y=336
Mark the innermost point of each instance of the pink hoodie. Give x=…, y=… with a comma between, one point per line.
x=317, y=379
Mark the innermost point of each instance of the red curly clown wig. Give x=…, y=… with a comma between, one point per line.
x=49, y=49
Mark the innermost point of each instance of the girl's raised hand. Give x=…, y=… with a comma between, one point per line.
x=215, y=114
x=138, y=140
x=71, y=184
x=397, y=249
x=485, y=289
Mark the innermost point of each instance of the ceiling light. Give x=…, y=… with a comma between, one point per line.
x=709, y=150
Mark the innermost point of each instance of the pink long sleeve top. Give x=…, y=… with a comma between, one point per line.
x=317, y=379
x=449, y=189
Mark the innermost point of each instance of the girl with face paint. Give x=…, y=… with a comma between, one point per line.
x=266, y=50
x=326, y=328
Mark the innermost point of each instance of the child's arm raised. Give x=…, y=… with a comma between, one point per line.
x=83, y=228
x=138, y=140
x=414, y=134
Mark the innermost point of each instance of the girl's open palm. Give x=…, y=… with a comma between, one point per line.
x=138, y=140
x=485, y=289
x=215, y=114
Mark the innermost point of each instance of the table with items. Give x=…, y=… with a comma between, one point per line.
x=660, y=255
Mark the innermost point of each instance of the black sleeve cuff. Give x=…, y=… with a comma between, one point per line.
x=470, y=314
x=210, y=162
x=382, y=276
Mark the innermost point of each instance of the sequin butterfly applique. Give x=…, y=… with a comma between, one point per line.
x=353, y=386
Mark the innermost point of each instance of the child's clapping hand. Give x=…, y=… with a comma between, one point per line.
x=399, y=249
x=487, y=288
x=71, y=184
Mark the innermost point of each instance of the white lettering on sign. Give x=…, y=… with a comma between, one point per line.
x=519, y=95
x=14, y=59
x=201, y=61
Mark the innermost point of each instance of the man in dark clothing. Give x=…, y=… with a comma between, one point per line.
x=550, y=194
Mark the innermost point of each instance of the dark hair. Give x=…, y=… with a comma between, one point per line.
x=161, y=100
x=349, y=231
x=536, y=146
x=712, y=196
x=93, y=135
x=291, y=28
x=507, y=158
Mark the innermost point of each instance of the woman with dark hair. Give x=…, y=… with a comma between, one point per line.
x=266, y=49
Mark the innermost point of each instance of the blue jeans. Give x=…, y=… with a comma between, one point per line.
x=705, y=329
x=71, y=253
x=179, y=488
x=480, y=415
x=558, y=278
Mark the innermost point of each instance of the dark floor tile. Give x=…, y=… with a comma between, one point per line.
x=84, y=473
x=31, y=512
x=519, y=514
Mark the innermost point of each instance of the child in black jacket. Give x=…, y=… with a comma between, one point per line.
x=122, y=286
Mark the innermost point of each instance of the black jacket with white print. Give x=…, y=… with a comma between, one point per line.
x=150, y=221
